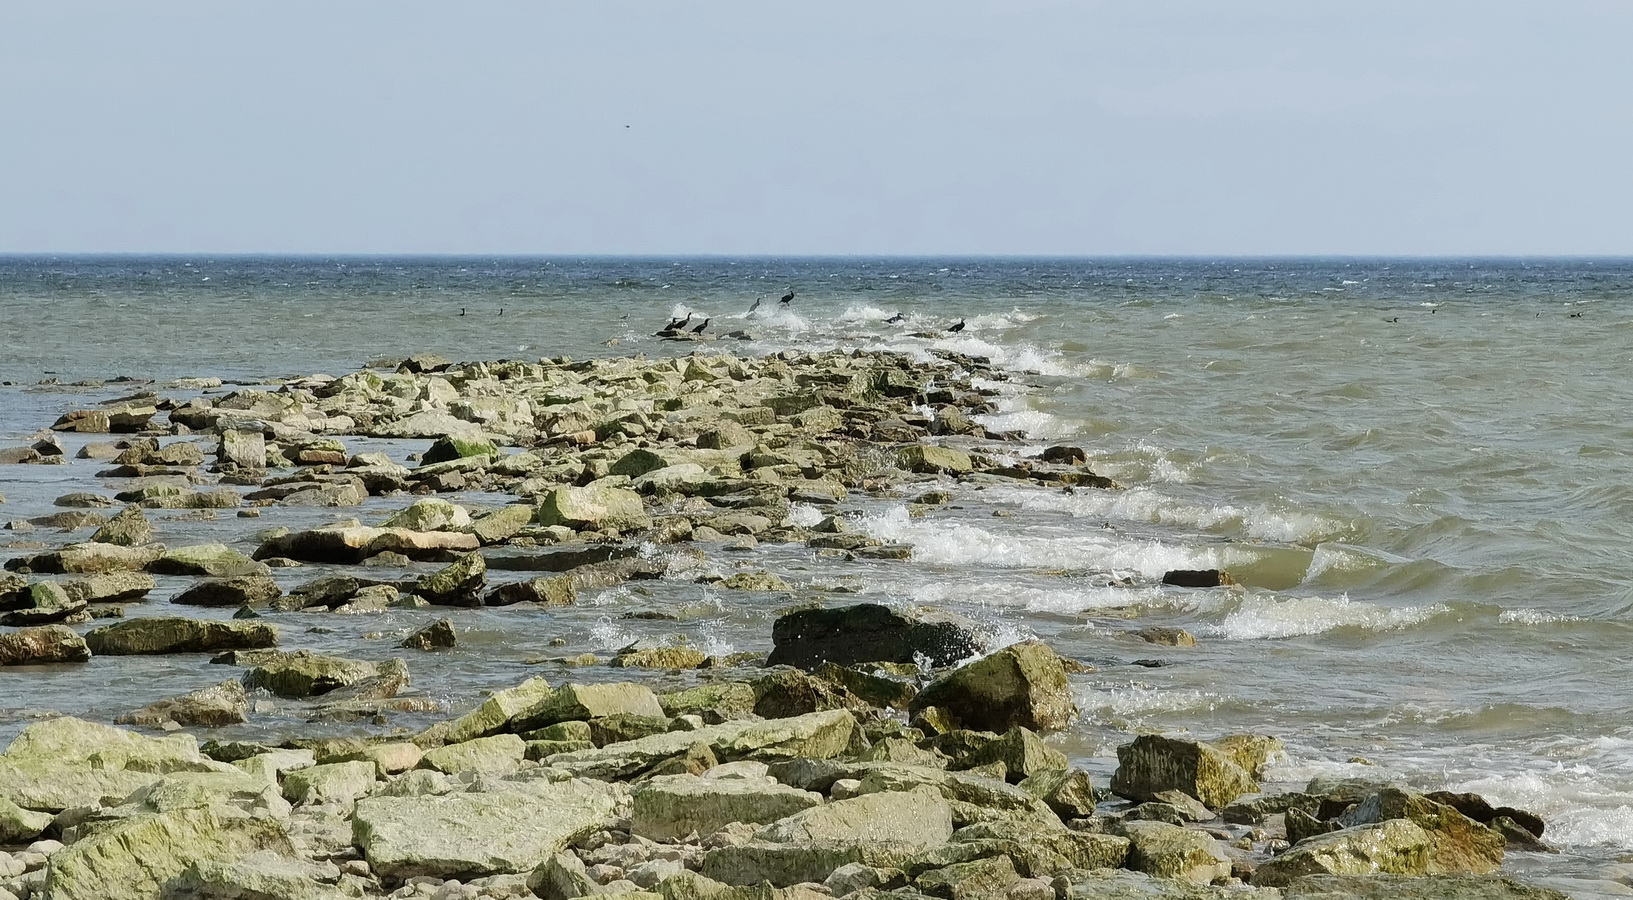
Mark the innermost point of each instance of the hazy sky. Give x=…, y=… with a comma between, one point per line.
x=1142, y=126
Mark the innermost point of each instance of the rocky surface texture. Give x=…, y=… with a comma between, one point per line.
x=880, y=751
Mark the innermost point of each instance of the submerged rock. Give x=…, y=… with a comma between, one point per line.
x=211, y=707
x=868, y=632
x=170, y=634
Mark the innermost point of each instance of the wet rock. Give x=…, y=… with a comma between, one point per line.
x=459, y=584
x=1152, y=764
x=557, y=590
x=670, y=807
x=47, y=603
x=494, y=713
x=1021, y=685
x=1477, y=808
x=1250, y=751
x=458, y=446
x=673, y=657
x=1458, y=844
x=472, y=835
x=1393, y=847
x=42, y=645
x=244, y=450
x=821, y=735
x=501, y=524
x=1197, y=578
x=88, y=559
x=931, y=459
x=869, y=632
x=352, y=544
x=1400, y=887
x=66, y=762
x=430, y=514
x=211, y=707
x=247, y=590
x=1169, y=851
x=1167, y=636
x=438, y=635
x=305, y=674
x=790, y=692
x=114, y=587
x=172, y=634
x=214, y=560
x=499, y=754
x=754, y=581
x=595, y=507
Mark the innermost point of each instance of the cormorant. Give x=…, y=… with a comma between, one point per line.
x=894, y=319
x=788, y=297
x=699, y=329
x=462, y=310
x=958, y=327
x=756, y=304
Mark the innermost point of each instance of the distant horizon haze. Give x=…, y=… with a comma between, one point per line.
x=974, y=128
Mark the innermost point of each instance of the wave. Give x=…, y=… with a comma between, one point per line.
x=1265, y=616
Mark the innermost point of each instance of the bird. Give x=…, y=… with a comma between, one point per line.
x=957, y=328
x=501, y=310
x=677, y=323
x=894, y=319
x=1574, y=315
x=699, y=329
x=462, y=310
x=756, y=304
x=1393, y=319
x=788, y=297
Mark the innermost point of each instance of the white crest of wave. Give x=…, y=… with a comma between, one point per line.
x=1143, y=504
x=1533, y=617
x=609, y=635
x=861, y=312
x=952, y=544
x=1269, y=616
x=1034, y=423
x=1016, y=358
x=782, y=318
x=804, y=515
x=1136, y=703
x=1581, y=806
x=1031, y=598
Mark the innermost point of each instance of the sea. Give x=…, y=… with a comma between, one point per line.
x=1419, y=470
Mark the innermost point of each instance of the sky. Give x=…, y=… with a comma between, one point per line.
x=1025, y=127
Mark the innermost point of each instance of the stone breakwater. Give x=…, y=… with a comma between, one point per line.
x=874, y=752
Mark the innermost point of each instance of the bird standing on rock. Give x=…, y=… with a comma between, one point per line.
x=699, y=329
x=957, y=328
x=788, y=297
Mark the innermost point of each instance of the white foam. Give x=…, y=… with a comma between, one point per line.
x=804, y=515
x=1033, y=423
x=1134, y=704
x=1533, y=617
x=1582, y=808
x=954, y=544
x=859, y=312
x=1073, y=599
x=1262, y=616
x=1144, y=504
x=606, y=634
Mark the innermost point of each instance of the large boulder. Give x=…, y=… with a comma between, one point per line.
x=20, y=826
x=47, y=603
x=1023, y=684
x=820, y=735
x=263, y=875
x=214, y=560
x=138, y=857
x=41, y=645
x=173, y=634
x=429, y=514
x=130, y=528
x=1394, y=847
x=490, y=717
x=670, y=807
x=1458, y=844
x=355, y=543
x=114, y=587
x=916, y=818
x=457, y=584
x=869, y=632
x=246, y=590
x=593, y=507
x=305, y=674
x=474, y=835
x=581, y=702
x=1169, y=851
x=931, y=459
x=88, y=559
x=1152, y=764
x=211, y=707
x=67, y=762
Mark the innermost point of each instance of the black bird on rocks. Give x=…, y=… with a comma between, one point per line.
x=894, y=319
x=957, y=328
x=756, y=304
x=788, y=297
x=699, y=329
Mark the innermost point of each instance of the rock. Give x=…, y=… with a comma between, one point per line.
x=246, y=590
x=170, y=634
x=66, y=762
x=305, y=674
x=916, y=818
x=130, y=528
x=1198, y=578
x=1475, y=807
x=41, y=645
x=716, y=703
x=1021, y=751
x=354, y=543
x=594, y=507
x=670, y=807
x=211, y=707
x=1394, y=847
x=137, y=857
x=458, y=446
x=458, y=584
x=491, y=716
x=562, y=877
x=790, y=692
x=929, y=458
x=499, y=754
x=18, y=825
x=242, y=449
x=438, y=635
x=1110, y=884
x=340, y=783
x=821, y=735
x=589, y=701
x=114, y=587
x=868, y=632
x=216, y=560
x=754, y=581
x=429, y=514
x=1040, y=851
x=46, y=603
x=783, y=865
x=1170, y=851
x=1458, y=845
x=262, y=875
x=1023, y=684
x=1250, y=751
x=1152, y=764
x=547, y=590
x=1068, y=792
x=1401, y=887
x=674, y=657
x=1167, y=636
x=501, y=524
x=388, y=759
x=473, y=835
x=90, y=558
x=974, y=880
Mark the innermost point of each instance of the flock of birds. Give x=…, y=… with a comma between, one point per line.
x=679, y=326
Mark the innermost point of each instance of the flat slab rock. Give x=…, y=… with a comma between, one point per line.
x=474, y=835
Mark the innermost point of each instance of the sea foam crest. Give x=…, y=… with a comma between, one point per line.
x=1261, y=616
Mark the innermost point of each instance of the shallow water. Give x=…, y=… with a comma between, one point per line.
x=1419, y=470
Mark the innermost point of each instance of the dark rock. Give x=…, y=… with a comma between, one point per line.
x=458, y=584
x=166, y=634
x=438, y=635
x=1197, y=578
x=41, y=645
x=246, y=590
x=868, y=632
x=1066, y=455
x=130, y=528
